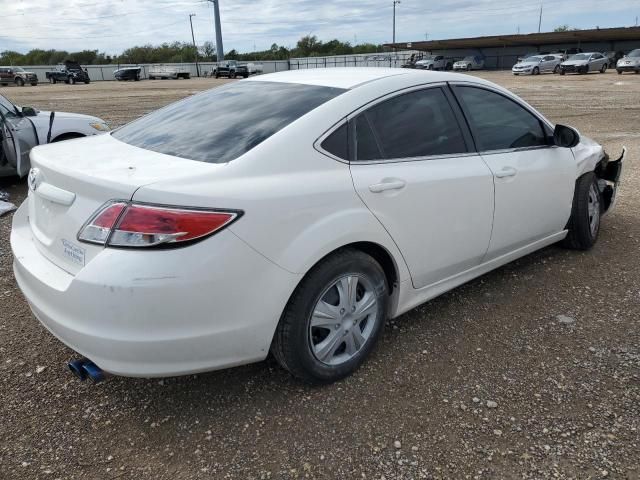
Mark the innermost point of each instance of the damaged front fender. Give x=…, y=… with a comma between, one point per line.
x=608, y=172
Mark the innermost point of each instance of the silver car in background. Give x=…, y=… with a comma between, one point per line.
x=537, y=64
x=584, y=63
x=630, y=62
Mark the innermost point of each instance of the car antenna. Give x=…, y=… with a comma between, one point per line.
x=51, y=117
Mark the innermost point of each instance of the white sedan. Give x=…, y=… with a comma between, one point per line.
x=325, y=203
x=22, y=128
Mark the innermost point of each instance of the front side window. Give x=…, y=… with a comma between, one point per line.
x=415, y=124
x=499, y=123
x=221, y=124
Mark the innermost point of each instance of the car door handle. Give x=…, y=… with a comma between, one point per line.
x=384, y=186
x=506, y=172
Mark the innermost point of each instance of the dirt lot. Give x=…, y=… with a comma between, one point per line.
x=553, y=339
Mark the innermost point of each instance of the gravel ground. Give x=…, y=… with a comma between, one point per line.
x=532, y=371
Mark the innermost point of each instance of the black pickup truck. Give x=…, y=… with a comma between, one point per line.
x=71, y=72
x=231, y=69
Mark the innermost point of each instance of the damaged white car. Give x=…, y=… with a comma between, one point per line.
x=330, y=201
x=22, y=128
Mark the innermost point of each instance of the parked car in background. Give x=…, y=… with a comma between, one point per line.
x=613, y=57
x=434, y=62
x=17, y=75
x=172, y=72
x=230, y=69
x=538, y=64
x=584, y=63
x=470, y=63
x=69, y=72
x=630, y=62
x=410, y=63
x=192, y=239
x=22, y=128
x=127, y=73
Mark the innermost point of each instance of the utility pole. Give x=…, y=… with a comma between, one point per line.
x=194, y=42
x=540, y=20
x=216, y=16
x=395, y=2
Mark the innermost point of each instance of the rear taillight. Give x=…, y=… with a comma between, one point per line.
x=123, y=224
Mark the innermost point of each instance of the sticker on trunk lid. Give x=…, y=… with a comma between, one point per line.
x=73, y=252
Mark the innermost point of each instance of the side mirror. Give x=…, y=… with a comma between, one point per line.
x=566, y=137
x=29, y=112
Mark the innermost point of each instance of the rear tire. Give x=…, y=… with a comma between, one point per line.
x=586, y=212
x=557, y=69
x=333, y=343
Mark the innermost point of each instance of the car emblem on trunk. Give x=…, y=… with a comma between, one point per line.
x=34, y=179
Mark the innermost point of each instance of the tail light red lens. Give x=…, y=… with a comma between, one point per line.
x=120, y=224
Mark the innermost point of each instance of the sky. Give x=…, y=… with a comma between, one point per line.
x=111, y=26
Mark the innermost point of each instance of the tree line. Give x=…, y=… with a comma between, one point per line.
x=182, y=52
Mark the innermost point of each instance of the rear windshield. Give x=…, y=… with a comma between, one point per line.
x=221, y=124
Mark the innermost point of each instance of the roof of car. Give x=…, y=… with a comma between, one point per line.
x=351, y=77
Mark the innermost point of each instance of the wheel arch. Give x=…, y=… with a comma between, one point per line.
x=67, y=136
x=379, y=253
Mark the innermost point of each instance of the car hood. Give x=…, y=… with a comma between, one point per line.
x=43, y=117
x=575, y=62
x=634, y=60
x=527, y=64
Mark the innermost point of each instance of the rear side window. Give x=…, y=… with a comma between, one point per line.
x=416, y=124
x=221, y=124
x=498, y=123
x=338, y=143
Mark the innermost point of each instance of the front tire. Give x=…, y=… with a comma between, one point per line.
x=586, y=211
x=333, y=319
x=536, y=71
x=19, y=82
x=604, y=68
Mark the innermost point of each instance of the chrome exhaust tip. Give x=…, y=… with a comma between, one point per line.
x=75, y=367
x=92, y=371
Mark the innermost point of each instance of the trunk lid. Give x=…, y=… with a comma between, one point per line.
x=70, y=180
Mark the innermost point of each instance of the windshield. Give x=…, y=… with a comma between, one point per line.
x=18, y=69
x=427, y=58
x=221, y=124
x=634, y=53
x=468, y=59
x=533, y=58
x=579, y=56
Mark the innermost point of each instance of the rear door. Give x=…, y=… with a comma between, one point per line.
x=549, y=63
x=534, y=180
x=414, y=167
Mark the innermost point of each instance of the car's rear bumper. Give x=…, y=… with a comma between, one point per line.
x=211, y=305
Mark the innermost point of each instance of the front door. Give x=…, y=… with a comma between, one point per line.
x=415, y=169
x=534, y=180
